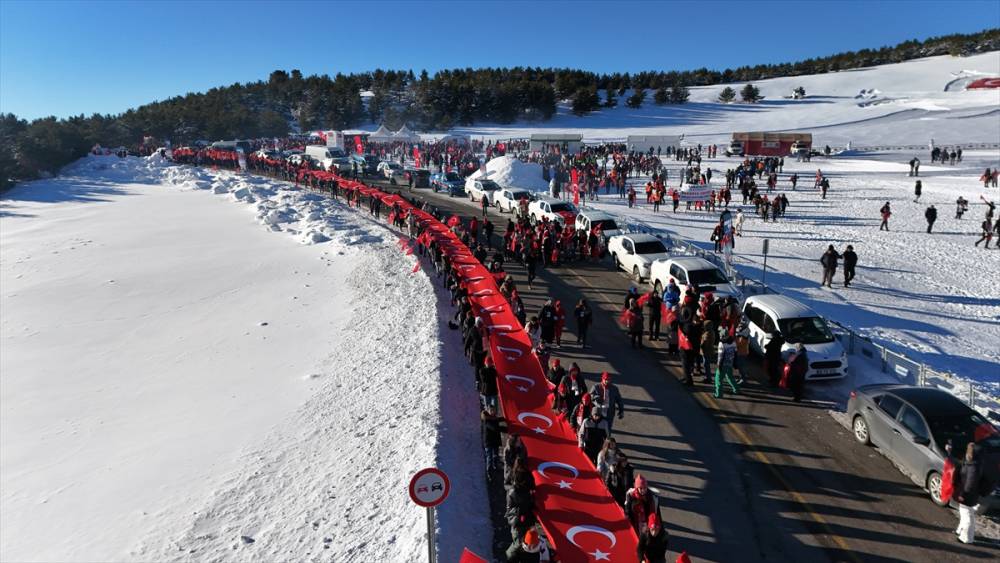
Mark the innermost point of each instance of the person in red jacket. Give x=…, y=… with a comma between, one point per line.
x=560, y=317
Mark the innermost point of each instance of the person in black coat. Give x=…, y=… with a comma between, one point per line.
x=850, y=262
x=772, y=357
x=931, y=216
x=653, y=541
x=654, y=306
x=967, y=495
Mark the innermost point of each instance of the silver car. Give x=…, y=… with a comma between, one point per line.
x=911, y=426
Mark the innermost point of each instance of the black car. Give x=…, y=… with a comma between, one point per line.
x=418, y=177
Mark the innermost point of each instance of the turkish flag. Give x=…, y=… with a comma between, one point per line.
x=469, y=557
x=416, y=156
x=358, y=146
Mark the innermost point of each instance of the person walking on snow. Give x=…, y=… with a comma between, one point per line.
x=917, y=189
x=987, y=234
x=584, y=316
x=739, y=223
x=886, y=213
x=931, y=216
x=829, y=262
x=850, y=262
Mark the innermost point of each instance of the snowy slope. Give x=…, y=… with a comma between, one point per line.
x=913, y=108
x=176, y=377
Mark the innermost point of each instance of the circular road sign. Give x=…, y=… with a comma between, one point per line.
x=429, y=487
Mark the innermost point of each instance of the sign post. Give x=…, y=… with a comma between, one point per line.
x=763, y=275
x=428, y=488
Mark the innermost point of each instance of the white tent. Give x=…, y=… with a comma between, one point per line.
x=404, y=134
x=381, y=135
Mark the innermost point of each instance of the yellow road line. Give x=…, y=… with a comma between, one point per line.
x=818, y=518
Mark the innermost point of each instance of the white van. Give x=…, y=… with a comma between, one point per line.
x=735, y=148
x=796, y=323
x=330, y=158
x=589, y=220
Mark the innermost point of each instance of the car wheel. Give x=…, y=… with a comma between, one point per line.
x=860, y=427
x=658, y=287
x=934, y=488
x=635, y=274
x=614, y=259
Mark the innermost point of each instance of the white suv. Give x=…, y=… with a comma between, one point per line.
x=481, y=189
x=796, y=323
x=635, y=253
x=507, y=199
x=557, y=210
x=692, y=271
x=589, y=220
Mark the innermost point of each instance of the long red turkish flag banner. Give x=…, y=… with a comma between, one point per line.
x=581, y=519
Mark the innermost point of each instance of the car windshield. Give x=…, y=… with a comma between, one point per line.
x=452, y=177
x=807, y=330
x=606, y=225
x=519, y=195
x=489, y=185
x=710, y=276
x=563, y=206
x=961, y=429
x=649, y=247
x=394, y=165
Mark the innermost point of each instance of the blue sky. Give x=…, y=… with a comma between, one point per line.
x=67, y=58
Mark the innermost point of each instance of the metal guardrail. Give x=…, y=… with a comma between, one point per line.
x=924, y=147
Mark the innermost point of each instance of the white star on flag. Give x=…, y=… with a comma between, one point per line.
x=600, y=555
x=522, y=389
x=539, y=430
x=565, y=485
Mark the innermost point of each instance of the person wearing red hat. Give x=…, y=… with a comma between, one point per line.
x=653, y=542
x=527, y=550
x=607, y=394
x=582, y=411
x=640, y=503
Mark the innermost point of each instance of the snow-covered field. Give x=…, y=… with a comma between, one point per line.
x=909, y=106
x=180, y=383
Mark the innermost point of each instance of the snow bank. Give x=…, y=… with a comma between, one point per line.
x=511, y=172
x=179, y=383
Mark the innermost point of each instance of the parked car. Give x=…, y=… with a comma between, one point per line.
x=421, y=177
x=392, y=171
x=635, y=253
x=912, y=425
x=366, y=163
x=735, y=148
x=296, y=159
x=449, y=182
x=687, y=271
x=481, y=189
x=796, y=323
x=552, y=210
x=589, y=220
x=507, y=199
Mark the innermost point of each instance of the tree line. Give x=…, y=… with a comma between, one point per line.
x=289, y=101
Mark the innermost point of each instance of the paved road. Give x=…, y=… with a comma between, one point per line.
x=748, y=478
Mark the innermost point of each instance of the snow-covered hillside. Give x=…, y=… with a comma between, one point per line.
x=911, y=106
x=180, y=382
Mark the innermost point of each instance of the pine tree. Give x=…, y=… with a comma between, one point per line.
x=750, y=94
x=610, y=100
x=661, y=96
x=636, y=99
x=585, y=100
x=679, y=94
x=727, y=95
